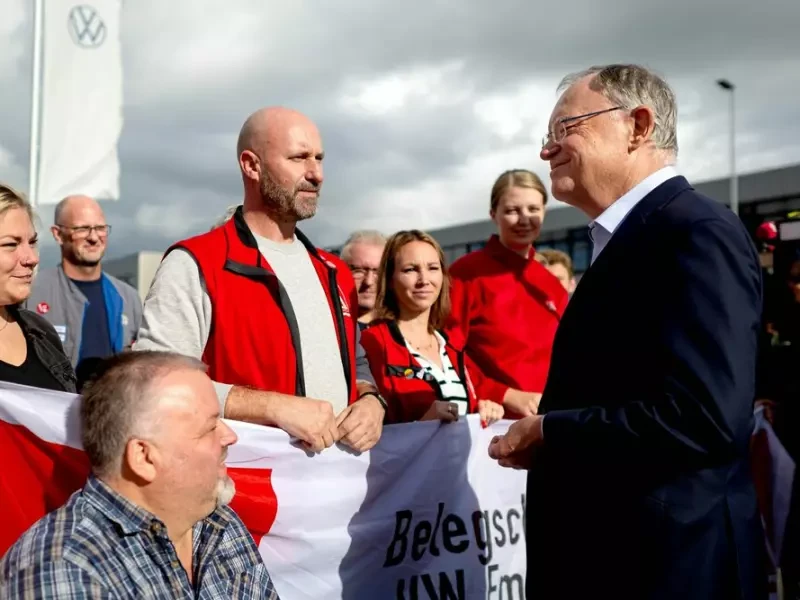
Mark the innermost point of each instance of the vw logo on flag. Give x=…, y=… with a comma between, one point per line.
x=86, y=27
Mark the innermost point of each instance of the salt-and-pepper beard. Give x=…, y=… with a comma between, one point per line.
x=284, y=204
x=226, y=490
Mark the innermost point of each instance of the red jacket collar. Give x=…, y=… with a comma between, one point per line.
x=238, y=225
x=496, y=248
x=452, y=337
x=543, y=284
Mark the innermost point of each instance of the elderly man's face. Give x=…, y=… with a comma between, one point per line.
x=193, y=442
x=593, y=149
x=364, y=261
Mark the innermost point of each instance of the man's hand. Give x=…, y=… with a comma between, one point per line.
x=447, y=412
x=521, y=404
x=515, y=449
x=360, y=425
x=311, y=421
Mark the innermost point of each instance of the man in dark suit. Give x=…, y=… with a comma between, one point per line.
x=638, y=482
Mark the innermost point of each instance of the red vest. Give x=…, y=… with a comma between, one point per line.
x=399, y=376
x=254, y=339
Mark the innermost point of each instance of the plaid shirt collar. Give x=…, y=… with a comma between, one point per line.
x=129, y=517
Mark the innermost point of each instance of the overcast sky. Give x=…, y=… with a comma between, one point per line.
x=421, y=104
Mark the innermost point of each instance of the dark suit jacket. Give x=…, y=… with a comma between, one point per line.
x=642, y=488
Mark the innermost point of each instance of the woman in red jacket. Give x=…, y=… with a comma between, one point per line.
x=506, y=304
x=423, y=372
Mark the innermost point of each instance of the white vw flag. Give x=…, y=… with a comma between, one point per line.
x=81, y=100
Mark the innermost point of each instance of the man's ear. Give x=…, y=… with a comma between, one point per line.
x=57, y=235
x=250, y=165
x=141, y=459
x=644, y=124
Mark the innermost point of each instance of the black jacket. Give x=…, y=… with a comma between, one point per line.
x=47, y=345
x=642, y=489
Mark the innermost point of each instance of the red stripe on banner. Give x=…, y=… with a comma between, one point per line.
x=255, y=500
x=36, y=477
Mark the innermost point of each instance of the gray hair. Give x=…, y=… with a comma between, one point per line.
x=364, y=236
x=229, y=212
x=630, y=86
x=117, y=402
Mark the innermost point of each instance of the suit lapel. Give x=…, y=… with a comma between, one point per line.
x=632, y=226
x=583, y=308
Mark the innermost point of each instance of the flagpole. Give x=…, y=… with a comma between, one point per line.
x=36, y=97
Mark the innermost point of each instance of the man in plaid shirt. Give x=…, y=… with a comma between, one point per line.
x=152, y=520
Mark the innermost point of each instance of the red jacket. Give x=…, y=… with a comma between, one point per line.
x=254, y=335
x=407, y=395
x=508, y=309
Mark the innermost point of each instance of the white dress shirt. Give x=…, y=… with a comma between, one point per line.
x=604, y=226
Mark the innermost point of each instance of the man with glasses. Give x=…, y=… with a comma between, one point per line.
x=639, y=475
x=96, y=315
x=362, y=252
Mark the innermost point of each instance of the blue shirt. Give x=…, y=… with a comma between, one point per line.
x=95, y=337
x=99, y=545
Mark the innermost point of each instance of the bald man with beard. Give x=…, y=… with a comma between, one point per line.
x=96, y=315
x=274, y=317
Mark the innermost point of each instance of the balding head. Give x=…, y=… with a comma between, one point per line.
x=270, y=126
x=72, y=207
x=280, y=155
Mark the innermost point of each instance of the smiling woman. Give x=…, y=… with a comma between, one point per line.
x=30, y=350
x=422, y=370
x=505, y=303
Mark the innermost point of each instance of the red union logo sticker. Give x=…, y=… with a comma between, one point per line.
x=43, y=308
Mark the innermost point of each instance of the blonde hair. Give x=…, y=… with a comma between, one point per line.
x=386, y=304
x=11, y=198
x=557, y=257
x=516, y=178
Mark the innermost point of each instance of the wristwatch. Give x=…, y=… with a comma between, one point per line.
x=375, y=393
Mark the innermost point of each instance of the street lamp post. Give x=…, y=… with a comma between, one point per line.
x=734, y=188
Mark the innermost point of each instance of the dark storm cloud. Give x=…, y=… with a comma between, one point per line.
x=194, y=70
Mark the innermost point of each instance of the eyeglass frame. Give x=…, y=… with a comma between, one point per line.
x=362, y=271
x=549, y=137
x=84, y=231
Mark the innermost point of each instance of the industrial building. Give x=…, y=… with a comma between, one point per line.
x=136, y=270
x=763, y=195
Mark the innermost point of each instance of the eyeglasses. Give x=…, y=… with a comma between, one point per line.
x=85, y=231
x=361, y=272
x=561, y=128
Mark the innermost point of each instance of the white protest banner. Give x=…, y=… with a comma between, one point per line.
x=425, y=514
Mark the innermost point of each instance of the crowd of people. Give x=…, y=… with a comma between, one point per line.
x=637, y=437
